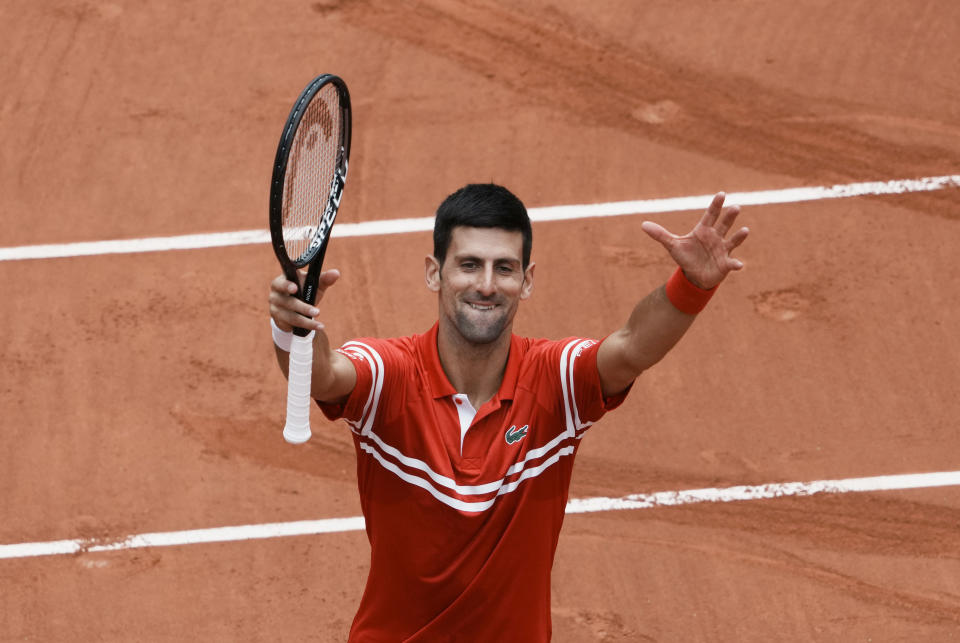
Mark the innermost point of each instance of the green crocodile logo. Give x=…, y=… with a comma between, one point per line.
x=514, y=435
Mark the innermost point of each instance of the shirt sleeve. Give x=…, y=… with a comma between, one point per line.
x=584, y=402
x=359, y=409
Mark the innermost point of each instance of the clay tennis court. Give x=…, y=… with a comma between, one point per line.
x=139, y=393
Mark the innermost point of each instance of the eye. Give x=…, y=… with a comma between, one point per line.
x=468, y=265
x=505, y=269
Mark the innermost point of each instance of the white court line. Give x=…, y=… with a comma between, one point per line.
x=553, y=213
x=575, y=506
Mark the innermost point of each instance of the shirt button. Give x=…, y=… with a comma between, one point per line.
x=458, y=400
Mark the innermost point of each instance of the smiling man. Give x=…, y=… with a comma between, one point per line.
x=466, y=435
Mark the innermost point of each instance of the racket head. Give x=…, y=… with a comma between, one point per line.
x=309, y=173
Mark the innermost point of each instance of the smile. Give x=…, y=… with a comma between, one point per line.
x=482, y=307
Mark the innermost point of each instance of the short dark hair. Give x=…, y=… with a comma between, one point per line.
x=481, y=205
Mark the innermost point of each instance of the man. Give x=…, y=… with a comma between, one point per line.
x=466, y=435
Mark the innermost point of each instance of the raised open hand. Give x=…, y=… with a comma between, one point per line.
x=703, y=253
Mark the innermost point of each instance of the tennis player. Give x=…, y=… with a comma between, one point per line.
x=466, y=434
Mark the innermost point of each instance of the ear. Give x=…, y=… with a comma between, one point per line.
x=527, y=288
x=432, y=273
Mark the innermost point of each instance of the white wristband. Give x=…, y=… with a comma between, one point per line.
x=282, y=338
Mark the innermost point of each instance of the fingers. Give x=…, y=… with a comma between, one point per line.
x=726, y=220
x=737, y=238
x=289, y=311
x=281, y=285
x=713, y=210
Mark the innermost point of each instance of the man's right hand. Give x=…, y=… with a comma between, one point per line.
x=333, y=376
x=288, y=311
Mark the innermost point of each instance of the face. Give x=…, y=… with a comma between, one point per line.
x=481, y=282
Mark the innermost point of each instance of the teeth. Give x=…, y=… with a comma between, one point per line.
x=480, y=307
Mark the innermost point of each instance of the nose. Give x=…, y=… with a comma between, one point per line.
x=486, y=285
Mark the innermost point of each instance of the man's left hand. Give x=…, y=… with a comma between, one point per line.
x=704, y=254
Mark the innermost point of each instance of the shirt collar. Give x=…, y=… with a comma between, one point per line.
x=440, y=386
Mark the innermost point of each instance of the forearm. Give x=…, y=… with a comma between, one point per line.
x=332, y=375
x=654, y=327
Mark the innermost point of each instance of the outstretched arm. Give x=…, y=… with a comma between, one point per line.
x=656, y=324
x=333, y=376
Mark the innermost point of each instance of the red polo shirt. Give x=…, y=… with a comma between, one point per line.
x=463, y=508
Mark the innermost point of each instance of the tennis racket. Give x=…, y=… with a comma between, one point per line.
x=308, y=178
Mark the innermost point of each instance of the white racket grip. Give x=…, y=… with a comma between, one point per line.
x=297, y=428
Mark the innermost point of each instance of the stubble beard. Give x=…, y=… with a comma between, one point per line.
x=486, y=329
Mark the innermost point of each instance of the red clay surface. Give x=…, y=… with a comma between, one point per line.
x=139, y=392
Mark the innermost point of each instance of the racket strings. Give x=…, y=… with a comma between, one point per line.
x=311, y=168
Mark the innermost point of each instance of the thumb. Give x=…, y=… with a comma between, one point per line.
x=657, y=232
x=329, y=277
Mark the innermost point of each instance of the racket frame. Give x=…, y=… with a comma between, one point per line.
x=313, y=257
x=297, y=428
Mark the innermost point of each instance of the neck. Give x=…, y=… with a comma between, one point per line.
x=475, y=370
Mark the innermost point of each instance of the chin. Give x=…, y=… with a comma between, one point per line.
x=480, y=333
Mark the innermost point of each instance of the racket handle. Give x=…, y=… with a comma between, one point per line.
x=297, y=428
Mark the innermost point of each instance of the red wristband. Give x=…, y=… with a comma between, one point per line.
x=685, y=296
